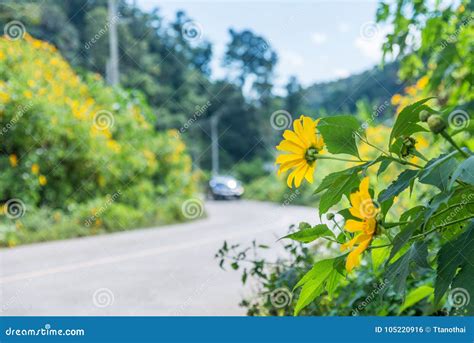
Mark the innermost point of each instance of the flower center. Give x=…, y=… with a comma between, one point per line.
x=311, y=154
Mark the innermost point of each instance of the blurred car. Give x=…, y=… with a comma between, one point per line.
x=225, y=187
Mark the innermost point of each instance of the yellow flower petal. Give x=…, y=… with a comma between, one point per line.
x=285, y=166
x=300, y=173
x=355, y=226
x=353, y=259
x=293, y=137
x=309, y=176
x=290, y=146
x=287, y=158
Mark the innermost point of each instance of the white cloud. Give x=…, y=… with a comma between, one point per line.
x=318, y=38
x=370, y=39
x=341, y=73
x=291, y=58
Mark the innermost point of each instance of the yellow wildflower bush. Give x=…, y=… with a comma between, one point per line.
x=68, y=142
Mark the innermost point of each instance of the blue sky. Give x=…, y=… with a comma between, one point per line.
x=315, y=40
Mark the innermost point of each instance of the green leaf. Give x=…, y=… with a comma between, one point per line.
x=384, y=165
x=407, y=121
x=379, y=255
x=455, y=260
x=438, y=171
x=342, y=185
x=398, y=271
x=332, y=179
x=339, y=134
x=464, y=172
x=416, y=296
x=400, y=184
x=451, y=207
x=323, y=275
x=405, y=234
x=310, y=234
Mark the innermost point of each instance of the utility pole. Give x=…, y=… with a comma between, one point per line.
x=215, y=144
x=113, y=63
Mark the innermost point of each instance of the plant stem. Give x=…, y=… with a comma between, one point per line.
x=338, y=159
x=404, y=162
x=424, y=234
x=372, y=145
x=453, y=143
x=450, y=207
x=390, y=225
x=380, y=246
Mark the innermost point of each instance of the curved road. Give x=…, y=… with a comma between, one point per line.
x=168, y=270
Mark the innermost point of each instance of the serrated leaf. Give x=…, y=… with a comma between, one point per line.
x=464, y=172
x=454, y=255
x=438, y=171
x=343, y=185
x=339, y=134
x=415, y=296
x=310, y=234
x=398, y=271
x=331, y=179
x=315, y=281
x=405, y=234
x=401, y=183
x=455, y=206
x=383, y=166
x=407, y=121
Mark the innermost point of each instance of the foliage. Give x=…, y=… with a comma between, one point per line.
x=361, y=295
x=417, y=238
x=87, y=153
x=433, y=40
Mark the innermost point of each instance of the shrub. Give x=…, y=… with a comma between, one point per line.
x=71, y=143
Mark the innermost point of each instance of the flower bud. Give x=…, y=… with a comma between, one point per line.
x=424, y=115
x=330, y=216
x=436, y=123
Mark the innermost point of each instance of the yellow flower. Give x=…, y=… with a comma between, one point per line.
x=422, y=82
x=303, y=144
x=42, y=180
x=396, y=99
x=13, y=160
x=363, y=208
x=35, y=169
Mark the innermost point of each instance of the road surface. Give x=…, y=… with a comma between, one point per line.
x=168, y=270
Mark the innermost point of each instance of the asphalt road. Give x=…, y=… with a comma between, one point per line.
x=168, y=270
